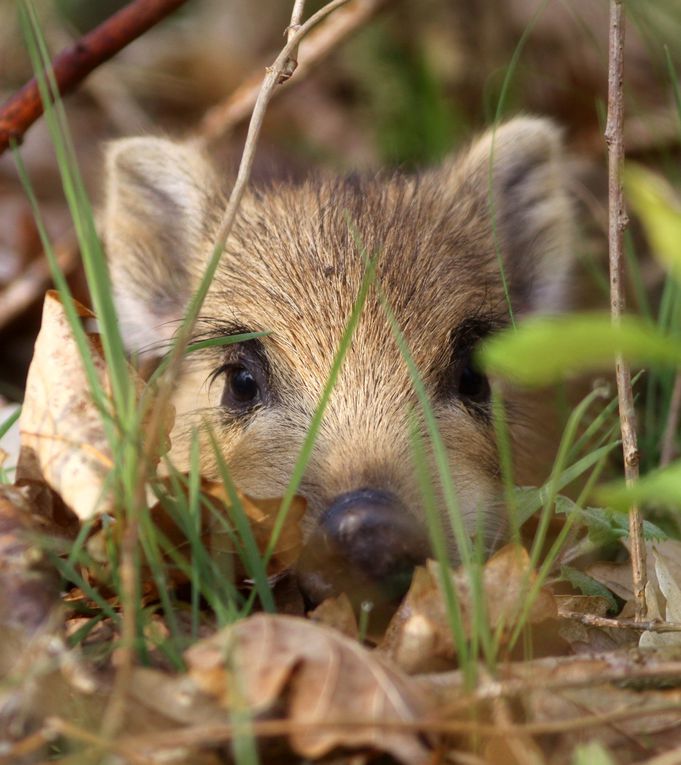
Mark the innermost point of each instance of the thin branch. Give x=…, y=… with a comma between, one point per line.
x=593, y=620
x=617, y=224
x=292, y=61
x=214, y=734
x=671, y=431
x=74, y=63
x=269, y=84
x=226, y=115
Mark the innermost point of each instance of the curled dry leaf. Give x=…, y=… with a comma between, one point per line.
x=584, y=637
x=262, y=515
x=337, y=613
x=419, y=637
x=663, y=564
x=663, y=597
x=62, y=438
x=336, y=693
x=615, y=576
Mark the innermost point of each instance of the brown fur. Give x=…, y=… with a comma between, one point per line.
x=292, y=266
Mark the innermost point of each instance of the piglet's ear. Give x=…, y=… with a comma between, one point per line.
x=159, y=217
x=518, y=172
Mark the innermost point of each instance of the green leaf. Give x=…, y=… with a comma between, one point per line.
x=659, y=208
x=588, y=586
x=661, y=487
x=544, y=350
x=529, y=499
x=606, y=525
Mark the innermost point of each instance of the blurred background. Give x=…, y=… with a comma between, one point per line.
x=407, y=87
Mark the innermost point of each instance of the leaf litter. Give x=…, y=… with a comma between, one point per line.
x=309, y=681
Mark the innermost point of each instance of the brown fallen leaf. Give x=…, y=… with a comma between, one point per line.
x=420, y=637
x=337, y=613
x=335, y=692
x=262, y=516
x=63, y=441
x=663, y=593
x=582, y=604
x=615, y=576
x=589, y=638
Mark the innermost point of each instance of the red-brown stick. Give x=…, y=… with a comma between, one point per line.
x=74, y=64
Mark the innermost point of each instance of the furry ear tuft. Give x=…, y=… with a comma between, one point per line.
x=529, y=207
x=157, y=229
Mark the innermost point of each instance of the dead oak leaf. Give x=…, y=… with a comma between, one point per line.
x=262, y=516
x=419, y=637
x=63, y=441
x=338, y=614
x=663, y=596
x=335, y=692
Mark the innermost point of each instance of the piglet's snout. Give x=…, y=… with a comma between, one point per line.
x=366, y=545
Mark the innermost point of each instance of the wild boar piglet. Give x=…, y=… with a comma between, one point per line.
x=292, y=267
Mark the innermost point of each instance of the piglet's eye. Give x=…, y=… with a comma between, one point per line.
x=464, y=380
x=473, y=385
x=243, y=388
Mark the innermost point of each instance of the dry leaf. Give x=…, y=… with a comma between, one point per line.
x=663, y=588
x=507, y=578
x=338, y=614
x=420, y=635
x=589, y=638
x=581, y=604
x=62, y=438
x=336, y=693
x=615, y=576
x=664, y=601
x=262, y=515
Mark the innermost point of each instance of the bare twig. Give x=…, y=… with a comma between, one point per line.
x=236, y=108
x=671, y=431
x=617, y=223
x=269, y=84
x=213, y=734
x=292, y=61
x=73, y=64
x=593, y=620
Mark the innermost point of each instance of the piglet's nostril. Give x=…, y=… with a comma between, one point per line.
x=366, y=545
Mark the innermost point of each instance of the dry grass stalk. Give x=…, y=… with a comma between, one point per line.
x=617, y=224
